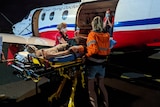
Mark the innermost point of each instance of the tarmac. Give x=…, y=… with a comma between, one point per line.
x=124, y=92
x=17, y=92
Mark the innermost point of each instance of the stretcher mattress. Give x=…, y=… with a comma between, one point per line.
x=23, y=57
x=64, y=58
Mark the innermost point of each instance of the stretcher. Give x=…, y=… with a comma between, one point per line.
x=31, y=66
x=69, y=67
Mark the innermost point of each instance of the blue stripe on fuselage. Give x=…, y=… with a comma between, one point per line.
x=54, y=26
x=138, y=22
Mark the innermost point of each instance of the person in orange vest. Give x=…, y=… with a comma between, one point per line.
x=98, y=48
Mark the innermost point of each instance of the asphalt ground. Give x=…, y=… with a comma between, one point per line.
x=117, y=95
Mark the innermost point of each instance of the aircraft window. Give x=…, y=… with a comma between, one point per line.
x=43, y=16
x=65, y=14
x=51, y=16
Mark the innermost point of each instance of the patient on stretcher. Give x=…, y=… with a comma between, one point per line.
x=78, y=51
x=60, y=51
x=56, y=51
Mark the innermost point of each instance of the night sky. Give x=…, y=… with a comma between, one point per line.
x=15, y=10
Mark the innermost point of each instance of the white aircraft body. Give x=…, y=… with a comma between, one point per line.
x=136, y=22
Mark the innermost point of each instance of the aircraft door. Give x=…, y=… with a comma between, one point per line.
x=88, y=10
x=35, y=23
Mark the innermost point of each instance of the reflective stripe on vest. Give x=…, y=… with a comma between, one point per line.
x=91, y=42
x=99, y=48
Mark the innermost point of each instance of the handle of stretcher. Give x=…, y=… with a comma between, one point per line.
x=30, y=56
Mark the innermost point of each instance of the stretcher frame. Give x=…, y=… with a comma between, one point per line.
x=45, y=67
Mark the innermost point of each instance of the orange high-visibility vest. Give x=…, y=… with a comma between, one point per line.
x=98, y=43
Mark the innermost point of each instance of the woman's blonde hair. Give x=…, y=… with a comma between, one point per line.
x=62, y=25
x=97, y=24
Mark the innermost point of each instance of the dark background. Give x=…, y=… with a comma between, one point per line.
x=13, y=11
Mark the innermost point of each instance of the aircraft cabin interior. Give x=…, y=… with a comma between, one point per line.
x=87, y=11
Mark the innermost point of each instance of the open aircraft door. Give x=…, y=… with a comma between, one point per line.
x=88, y=10
x=35, y=20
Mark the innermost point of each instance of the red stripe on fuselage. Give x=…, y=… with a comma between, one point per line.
x=51, y=34
x=136, y=38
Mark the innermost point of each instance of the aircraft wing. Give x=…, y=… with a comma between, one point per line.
x=11, y=38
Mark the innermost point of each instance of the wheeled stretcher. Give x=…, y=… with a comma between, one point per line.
x=30, y=66
x=69, y=67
